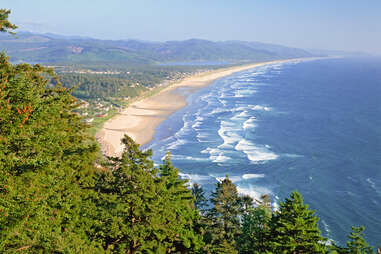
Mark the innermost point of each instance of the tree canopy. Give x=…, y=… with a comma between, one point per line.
x=59, y=195
x=5, y=25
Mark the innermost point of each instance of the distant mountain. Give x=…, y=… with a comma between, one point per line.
x=52, y=48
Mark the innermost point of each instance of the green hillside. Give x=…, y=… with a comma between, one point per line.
x=50, y=48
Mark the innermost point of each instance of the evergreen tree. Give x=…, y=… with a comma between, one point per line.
x=200, y=201
x=183, y=229
x=256, y=228
x=46, y=162
x=294, y=228
x=357, y=243
x=247, y=203
x=128, y=208
x=224, y=219
x=5, y=25
x=141, y=209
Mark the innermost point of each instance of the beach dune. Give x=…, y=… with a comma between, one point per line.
x=140, y=119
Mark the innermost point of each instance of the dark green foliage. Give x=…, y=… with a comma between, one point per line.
x=246, y=203
x=200, y=201
x=256, y=229
x=101, y=86
x=356, y=243
x=5, y=25
x=141, y=209
x=294, y=228
x=224, y=220
x=38, y=129
x=128, y=208
x=46, y=164
x=181, y=218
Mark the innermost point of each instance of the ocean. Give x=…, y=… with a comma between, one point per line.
x=311, y=126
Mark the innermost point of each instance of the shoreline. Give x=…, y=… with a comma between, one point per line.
x=140, y=119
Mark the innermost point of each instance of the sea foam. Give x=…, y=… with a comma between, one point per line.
x=228, y=132
x=251, y=176
x=255, y=192
x=255, y=153
x=216, y=155
x=249, y=123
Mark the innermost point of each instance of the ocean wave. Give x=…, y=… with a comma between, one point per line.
x=176, y=144
x=251, y=176
x=249, y=123
x=372, y=184
x=205, y=97
x=253, y=191
x=240, y=108
x=255, y=153
x=210, y=150
x=223, y=102
x=228, y=134
x=184, y=157
x=220, y=158
x=259, y=107
x=193, y=178
x=290, y=155
x=326, y=227
x=243, y=93
x=217, y=111
x=242, y=114
x=216, y=155
x=234, y=179
x=204, y=137
x=184, y=130
x=197, y=122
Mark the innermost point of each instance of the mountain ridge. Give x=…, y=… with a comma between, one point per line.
x=51, y=48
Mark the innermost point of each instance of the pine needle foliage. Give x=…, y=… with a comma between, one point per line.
x=294, y=228
x=5, y=25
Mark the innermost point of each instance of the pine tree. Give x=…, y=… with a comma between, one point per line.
x=224, y=219
x=128, y=208
x=247, y=203
x=256, y=228
x=357, y=243
x=183, y=229
x=200, y=201
x=46, y=162
x=294, y=228
x=141, y=209
x=5, y=25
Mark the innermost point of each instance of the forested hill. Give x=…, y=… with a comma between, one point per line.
x=50, y=48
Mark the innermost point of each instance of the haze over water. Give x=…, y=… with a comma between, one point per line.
x=309, y=126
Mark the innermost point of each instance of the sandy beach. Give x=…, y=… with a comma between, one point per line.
x=140, y=119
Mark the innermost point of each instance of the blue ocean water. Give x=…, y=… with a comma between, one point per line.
x=311, y=126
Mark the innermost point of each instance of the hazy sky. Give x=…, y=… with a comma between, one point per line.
x=326, y=24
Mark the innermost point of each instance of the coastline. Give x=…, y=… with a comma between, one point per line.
x=140, y=119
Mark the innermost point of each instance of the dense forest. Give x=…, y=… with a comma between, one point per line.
x=122, y=83
x=58, y=196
